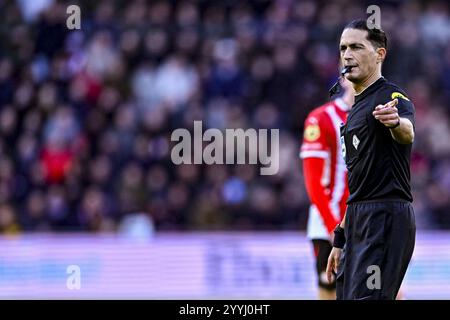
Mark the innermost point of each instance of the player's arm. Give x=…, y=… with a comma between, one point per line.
x=315, y=153
x=313, y=170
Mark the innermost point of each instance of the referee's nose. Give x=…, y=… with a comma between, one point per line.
x=347, y=56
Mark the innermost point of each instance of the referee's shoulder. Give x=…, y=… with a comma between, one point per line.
x=390, y=91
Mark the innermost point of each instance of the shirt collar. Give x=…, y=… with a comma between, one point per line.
x=369, y=89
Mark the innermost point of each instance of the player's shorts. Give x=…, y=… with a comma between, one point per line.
x=322, y=249
x=380, y=243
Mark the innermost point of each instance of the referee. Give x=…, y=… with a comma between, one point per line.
x=374, y=243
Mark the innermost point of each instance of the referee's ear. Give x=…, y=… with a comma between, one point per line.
x=381, y=52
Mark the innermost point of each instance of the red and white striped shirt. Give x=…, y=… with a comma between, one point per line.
x=324, y=167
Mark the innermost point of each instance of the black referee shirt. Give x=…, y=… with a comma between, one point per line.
x=378, y=166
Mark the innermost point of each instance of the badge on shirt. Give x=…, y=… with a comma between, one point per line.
x=355, y=141
x=312, y=132
x=398, y=95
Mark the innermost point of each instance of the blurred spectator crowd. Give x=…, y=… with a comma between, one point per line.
x=86, y=115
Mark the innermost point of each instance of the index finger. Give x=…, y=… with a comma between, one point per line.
x=392, y=103
x=329, y=269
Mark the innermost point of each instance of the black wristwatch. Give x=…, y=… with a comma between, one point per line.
x=339, y=237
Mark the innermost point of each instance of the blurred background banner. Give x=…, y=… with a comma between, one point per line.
x=194, y=266
x=86, y=117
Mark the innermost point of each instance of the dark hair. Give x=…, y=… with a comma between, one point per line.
x=376, y=36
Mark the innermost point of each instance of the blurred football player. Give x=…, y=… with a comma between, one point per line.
x=325, y=177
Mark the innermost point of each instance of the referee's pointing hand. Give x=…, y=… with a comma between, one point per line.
x=387, y=114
